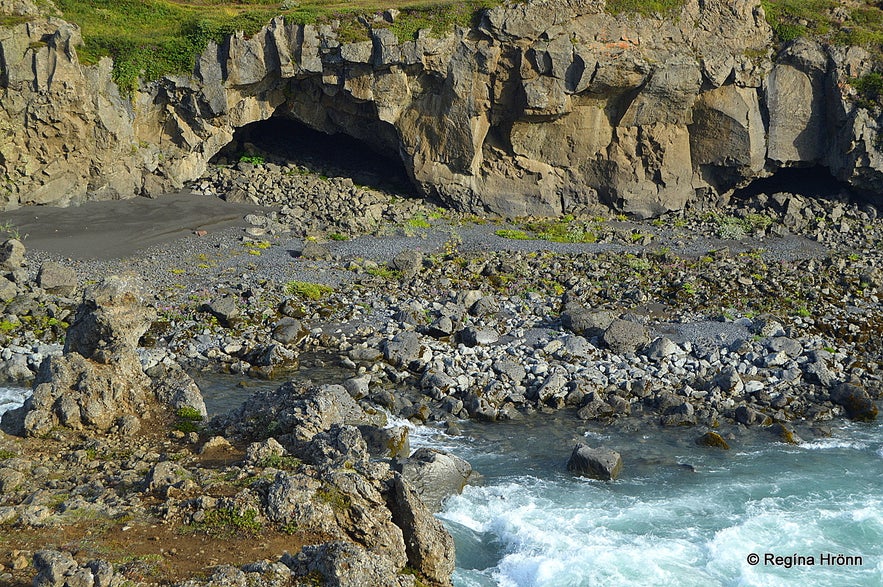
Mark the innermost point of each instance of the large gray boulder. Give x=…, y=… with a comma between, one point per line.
x=12, y=255
x=434, y=474
x=598, y=463
x=57, y=279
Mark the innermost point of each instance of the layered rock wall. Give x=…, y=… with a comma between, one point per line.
x=541, y=108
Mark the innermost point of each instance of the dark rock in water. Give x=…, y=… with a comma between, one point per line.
x=224, y=309
x=749, y=416
x=408, y=262
x=429, y=547
x=387, y=442
x=57, y=279
x=784, y=433
x=625, y=336
x=434, y=474
x=855, y=401
x=714, y=440
x=598, y=463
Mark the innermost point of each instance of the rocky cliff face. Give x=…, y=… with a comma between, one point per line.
x=543, y=108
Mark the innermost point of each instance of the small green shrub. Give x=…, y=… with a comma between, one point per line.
x=6, y=454
x=253, y=159
x=189, y=419
x=226, y=522
x=870, y=90
x=309, y=290
x=513, y=234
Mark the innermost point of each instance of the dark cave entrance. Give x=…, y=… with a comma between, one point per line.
x=813, y=182
x=283, y=140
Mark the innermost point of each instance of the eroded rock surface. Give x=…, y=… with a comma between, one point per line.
x=543, y=108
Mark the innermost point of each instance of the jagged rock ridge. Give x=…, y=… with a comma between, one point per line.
x=543, y=108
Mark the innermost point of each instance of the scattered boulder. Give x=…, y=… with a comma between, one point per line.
x=12, y=255
x=714, y=440
x=625, y=336
x=597, y=463
x=586, y=322
x=855, y=401
x=387, y=442
x=403, y=348
x=434, y=474
x=429, y=547
x=408, y=262
x=289, y=331
x=57, y=279
x=224, y=309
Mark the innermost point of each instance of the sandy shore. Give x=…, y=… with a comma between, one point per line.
x=118, y=229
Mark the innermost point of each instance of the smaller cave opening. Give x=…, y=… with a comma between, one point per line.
x=813, y=182
x=283, y=141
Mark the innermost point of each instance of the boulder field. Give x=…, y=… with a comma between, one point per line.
x=540, y=108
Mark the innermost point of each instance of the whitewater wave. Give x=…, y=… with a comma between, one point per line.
x=12, y=398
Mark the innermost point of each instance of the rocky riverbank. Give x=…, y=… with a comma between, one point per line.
x=764, y=315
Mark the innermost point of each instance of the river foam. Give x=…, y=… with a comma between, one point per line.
x=666, y=524
x=12, y=398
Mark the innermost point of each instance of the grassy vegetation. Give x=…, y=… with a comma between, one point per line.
x=309, y=290
x=870, y=90
x=151, y=38
x=644, y=7
x=862, y=25
x=227, y=522
x=188, y=419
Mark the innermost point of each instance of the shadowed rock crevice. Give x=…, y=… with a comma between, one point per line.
x=283, y=140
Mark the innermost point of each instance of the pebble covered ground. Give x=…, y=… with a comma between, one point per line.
x=763, y=315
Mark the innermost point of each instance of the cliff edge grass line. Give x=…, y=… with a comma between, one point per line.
x=153, y=38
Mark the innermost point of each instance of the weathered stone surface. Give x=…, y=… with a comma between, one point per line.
x=57, y=279
x=517, y=118
x=714, y=440
x=344, y=564
x=625, y=336
x=429, y=546
x=12, y=255
x=434, y=474
x=598, y=463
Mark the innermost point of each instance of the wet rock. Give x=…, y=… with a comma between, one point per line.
x=387, y=442
x=434, y=474
x=714, y=440
x=855, y=401
x=749, y=416
x=289, y=331
x=598, y=463
x=784, y=433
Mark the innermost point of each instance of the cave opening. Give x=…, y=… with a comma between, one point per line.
x=813, y=182
x=283, y=140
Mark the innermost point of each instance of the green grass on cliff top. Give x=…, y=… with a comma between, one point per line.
x=152, y=38
x=854, y=23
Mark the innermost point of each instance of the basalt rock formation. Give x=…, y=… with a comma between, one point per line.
x=543, y=108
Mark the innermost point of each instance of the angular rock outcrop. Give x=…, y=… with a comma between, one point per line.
x=98, y=383
x=598, y=463
x=543, y=108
